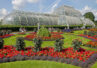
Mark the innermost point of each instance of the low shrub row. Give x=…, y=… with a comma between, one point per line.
x=5, y=32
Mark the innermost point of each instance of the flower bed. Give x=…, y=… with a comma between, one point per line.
x=68, y=55
x=94, y=29
x=53, y=36
x=32, y=32
x=6, y=36
x=56, y=32
x=92, y=44
x=22, y=33
x=89, y=37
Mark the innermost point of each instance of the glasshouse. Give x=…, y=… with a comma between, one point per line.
x=64, y=15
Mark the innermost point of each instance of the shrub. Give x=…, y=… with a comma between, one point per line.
x=1, y=33
x=9, y=31
x=76, y=44
x=85, y=32
x=43, y=32
x=91, y=33
x=58, y=45
x=1, y=43
x=37, y=44
x=20, y=44
x=58, y=30
x=35, y=30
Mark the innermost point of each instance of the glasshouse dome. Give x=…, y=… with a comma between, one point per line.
x=64, y=15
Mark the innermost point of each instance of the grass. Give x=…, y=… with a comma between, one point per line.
x=36, y=64
x=94, y=65
x=69, y=38
x=67, y=41
x=79, y=32
x=12, y=41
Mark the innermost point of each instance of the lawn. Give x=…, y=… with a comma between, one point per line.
x=36, y=64
x=67, y=41
x=94, y=65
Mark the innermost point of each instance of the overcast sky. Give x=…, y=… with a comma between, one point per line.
x=7, y=6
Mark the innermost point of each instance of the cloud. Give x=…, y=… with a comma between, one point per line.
x=3, y=12
x=55, y=5
x=89, y=9
x=33, y=1
x=96, y=1
x=17, y=4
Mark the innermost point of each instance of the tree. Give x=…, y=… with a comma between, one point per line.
x=96, y=22
x=89, y=15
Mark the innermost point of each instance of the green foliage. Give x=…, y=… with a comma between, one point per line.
x=43, y=32
x=0, y=22
x=58, y=45
x=37, y=64
x=20, y=44
x=1, y=33
x=91, y=33
x=76, y=44
x=37, y=44
x=89, y=15
x=35, y=30
x=85, y=32
x=58, y=30
x=4, y=32
x=96, y=22
x=1, y=43
x=9, y=31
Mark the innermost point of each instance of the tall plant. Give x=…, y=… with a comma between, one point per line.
x=20, y=44
x=1, y=43
x=85, y=32
x=58, y=45
x=76, y=44
x=37, y=44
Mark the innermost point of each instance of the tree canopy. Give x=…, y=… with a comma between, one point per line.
x=96, y=22
x=89, y=15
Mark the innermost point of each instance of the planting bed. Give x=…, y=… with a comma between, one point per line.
x=92, y=44
x=89, y=37
x=82, y=58
x=54, y=36
x=7, y=35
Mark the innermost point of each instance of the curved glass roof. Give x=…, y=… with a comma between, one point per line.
x=67, y=10
x=63, y=15
x=27, y=19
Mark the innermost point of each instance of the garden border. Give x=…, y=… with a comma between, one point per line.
x=75, y=61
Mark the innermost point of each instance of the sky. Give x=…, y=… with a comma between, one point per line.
x=47, y=6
